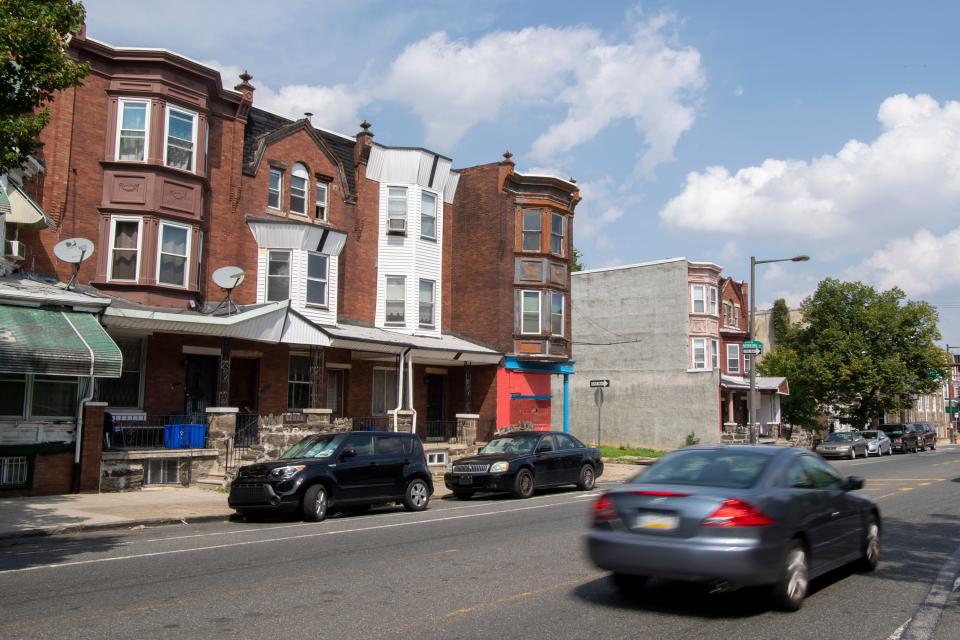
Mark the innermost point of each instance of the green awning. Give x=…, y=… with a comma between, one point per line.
x=4, y=202
x=53, y=342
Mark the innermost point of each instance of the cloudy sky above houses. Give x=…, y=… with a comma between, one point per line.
x=709, y=130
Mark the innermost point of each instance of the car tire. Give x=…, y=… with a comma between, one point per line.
x=788, y=593
x=315, y=503
x=871, y=545
x=587, y=479
x=629, y=583
x=416, y=497
x=463, y=495
x=853, y=453
x=933, y=447
x=523, y=484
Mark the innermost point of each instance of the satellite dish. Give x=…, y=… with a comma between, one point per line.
x=73, y=251
x=228, y=277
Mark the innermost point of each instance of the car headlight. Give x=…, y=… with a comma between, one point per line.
x=499, y=467
x=285, y=473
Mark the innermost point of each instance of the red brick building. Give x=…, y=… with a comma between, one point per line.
x=375, y=278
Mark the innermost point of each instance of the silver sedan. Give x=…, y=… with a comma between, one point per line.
x=878, y=443
x=843, y=444
x=735, y=516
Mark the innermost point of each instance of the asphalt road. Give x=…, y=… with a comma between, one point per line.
x=487, y=568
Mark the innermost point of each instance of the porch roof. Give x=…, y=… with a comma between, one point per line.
x=446, y=347
x=764, y=383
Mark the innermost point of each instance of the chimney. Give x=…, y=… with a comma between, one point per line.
x=361, y=150
x=505, y=169
x=245, y=87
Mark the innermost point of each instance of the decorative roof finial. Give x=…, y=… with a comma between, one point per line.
x=245, y=79
x=507, y=155
x=307, y=116
x=573, y=180
x=365, y=126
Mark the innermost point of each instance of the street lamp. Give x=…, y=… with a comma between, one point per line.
x=751, y=401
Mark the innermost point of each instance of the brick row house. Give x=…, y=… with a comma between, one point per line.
x=380, y=284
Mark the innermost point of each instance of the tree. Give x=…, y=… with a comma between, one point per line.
x=857, y=354
x=33, y=47
x=780, y=321
x=576, y=264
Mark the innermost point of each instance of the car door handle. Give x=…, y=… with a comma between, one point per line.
x=834, y=514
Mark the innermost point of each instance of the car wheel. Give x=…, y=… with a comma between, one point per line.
x=853, y=453
x=871, y=545
x=463, y=495
x=417, y=495
x=628, y=583
x=789, y=592
x=587, y=478
x=933, y=447
x=523, y=484
x=315, y=503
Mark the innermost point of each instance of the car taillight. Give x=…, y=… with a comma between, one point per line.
x=737, y=513
x=603, y=509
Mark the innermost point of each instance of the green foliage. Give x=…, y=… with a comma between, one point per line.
x=692, y=439
x=576, y=264
x=33, y=42
x=858, y=353
x=610, y=453
x=780, y=321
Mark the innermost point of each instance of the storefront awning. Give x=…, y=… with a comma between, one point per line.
x=24, y=211
x=52, y=342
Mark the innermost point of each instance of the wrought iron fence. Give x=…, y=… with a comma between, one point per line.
x=439, y=430
x=145, y=431
x=246, y=436
x=373, y=423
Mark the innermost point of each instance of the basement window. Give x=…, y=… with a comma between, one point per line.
x=161, y=471
x=436, y=457
x=14, y=471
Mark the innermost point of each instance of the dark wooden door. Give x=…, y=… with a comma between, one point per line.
x=244, y=384
x=201, y=383
x=434, y=398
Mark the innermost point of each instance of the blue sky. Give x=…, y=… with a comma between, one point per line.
x=704, y=129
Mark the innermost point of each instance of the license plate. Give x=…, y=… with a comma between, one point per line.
x=465, y=480
x=657, y=521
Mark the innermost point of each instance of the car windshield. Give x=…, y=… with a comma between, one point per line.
x=892, y=429
x=869, y=435
x=516, y=444
x=314, y=447
x=839, y=437
x=706, y=468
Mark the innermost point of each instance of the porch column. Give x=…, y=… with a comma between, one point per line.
x=731, y=415
x=223, y=397
x=566, y=403
x=317, y=379
x=467, y=390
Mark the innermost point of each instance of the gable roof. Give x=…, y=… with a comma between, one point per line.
x=264, y=127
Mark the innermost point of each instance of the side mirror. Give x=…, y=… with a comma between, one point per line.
x=852, y=483
x=348, y=453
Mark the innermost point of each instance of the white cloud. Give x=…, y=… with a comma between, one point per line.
x=911, y=169
x=919, y=264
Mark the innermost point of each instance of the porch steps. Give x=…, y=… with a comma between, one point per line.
x=213, y=481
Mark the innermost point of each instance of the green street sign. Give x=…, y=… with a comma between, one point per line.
x=752, y=344
x=952, y=409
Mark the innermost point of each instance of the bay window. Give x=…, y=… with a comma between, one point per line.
x=556, y=314
x=715, y=354
x=699, y=296
x=530, y=320
x=397, y=210
x=699, y=353
x=532, y=226
x=317, y=277
x=395, y=305
x=427, y=302
x=278, y=275
x=428, y=216
x=173, y=254
x=134, y=121
x=181, y=146
x=124, y=249
x=556, y=233
x=714, y=309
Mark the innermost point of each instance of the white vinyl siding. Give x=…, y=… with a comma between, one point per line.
x=299, y=279
x=180, y=145
x=733, y=358
x=699, y=353
x=133, y=126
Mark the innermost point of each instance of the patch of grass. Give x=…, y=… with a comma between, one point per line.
x=613, y=454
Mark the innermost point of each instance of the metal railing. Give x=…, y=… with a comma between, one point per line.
x=438, y=430
x=373, y=423
x=145, y=431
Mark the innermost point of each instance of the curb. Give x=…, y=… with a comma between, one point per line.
x=105, y=526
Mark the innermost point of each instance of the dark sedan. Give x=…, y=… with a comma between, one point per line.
x=523, y=461
x=736, y=516
x=903, y=436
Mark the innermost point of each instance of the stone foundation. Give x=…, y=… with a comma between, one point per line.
x=126, y=470
x=467, y=428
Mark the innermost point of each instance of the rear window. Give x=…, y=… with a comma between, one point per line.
x=705, y=468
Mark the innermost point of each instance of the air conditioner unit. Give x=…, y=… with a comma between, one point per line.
x=396, y=225
x=15, y=250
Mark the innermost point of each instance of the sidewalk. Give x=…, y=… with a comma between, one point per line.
x=47, y=515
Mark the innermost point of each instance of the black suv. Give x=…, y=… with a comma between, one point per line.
x=336, y=470
x=903, y=437
x=926, y=435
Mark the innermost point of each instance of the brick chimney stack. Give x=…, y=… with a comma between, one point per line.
x=361, y=150
x=505, y=170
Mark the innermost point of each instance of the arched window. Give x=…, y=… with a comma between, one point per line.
x=299, y=179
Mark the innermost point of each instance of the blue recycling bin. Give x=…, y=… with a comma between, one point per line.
x=184, y=436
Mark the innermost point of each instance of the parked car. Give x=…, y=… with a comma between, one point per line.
x=341, y=470
x=902, y=436
x=877, y=443
x=735, y=516
x=843, y=444
x=926, y=435
x=523, y=461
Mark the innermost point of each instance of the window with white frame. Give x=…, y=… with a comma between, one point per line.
x=715, y=354
x=427, y=304
x=428, y=215
x=396, y=303
x=181, y=147
x=699, y=353
x=298, y=382
x=299, y=179
x=125, y=248
x=736, y=316
x=714, y=309
x=556, y=313
x=134, y=122
x=173, y=254
x=396, y=210
x=384, y=391
x=125, y=391
x=278, y=275
x=733, y=358
x=38, y=396
x=274, y=188
x=318, y=272
x=747, y=363
x=530, y=320
x=436, y=457
x=320, y=201
x=556, y=233
x=532, y=227
x=698, y=294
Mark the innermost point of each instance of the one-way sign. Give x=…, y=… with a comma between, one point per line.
x=599, y=383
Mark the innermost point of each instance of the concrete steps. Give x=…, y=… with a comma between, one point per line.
x=213, y=481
